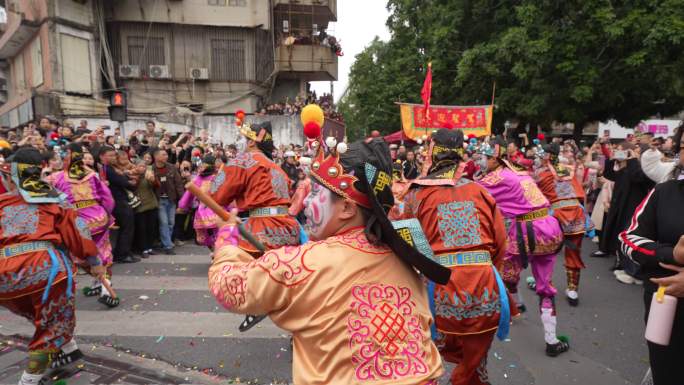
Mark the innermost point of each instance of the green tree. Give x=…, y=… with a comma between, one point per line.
x=551, y=60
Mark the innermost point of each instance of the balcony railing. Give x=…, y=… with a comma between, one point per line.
x=313, y=62
x=321, y=7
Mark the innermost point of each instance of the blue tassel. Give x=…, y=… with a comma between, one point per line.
x=505, y=319
x=431, y=299
x=303, y=238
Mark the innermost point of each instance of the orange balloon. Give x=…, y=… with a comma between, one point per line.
x=312, y=113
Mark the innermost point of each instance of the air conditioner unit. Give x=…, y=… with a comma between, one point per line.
x=129, y=71
x=159, y=72
x=199, y=73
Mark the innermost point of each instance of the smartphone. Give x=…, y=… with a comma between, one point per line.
x=620, y=155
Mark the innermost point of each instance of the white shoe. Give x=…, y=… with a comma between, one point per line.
x=625, y=278
x=618, y=272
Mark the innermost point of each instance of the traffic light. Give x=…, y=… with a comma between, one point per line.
x=117, y=106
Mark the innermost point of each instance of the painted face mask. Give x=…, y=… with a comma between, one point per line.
x=318, y=210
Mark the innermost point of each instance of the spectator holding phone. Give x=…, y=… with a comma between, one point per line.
x=630, y=187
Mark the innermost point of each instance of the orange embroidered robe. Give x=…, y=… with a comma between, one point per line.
x=24, y=226
x=255, y=182
x=566, y=196
x=356, y=311
x=467, y=233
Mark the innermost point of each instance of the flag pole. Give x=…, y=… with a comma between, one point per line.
x=493, y=93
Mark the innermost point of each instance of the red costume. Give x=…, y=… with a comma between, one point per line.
x=38, y=238
x=468, y=235
x=564, y=191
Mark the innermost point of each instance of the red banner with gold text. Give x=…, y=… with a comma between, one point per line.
x=475, y=120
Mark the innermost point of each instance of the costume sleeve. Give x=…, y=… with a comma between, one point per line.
x=104, y=195
x=499, y=230
x=653, y=166
x=75, y=235
x=639, y=242
x=245, y=285
x=229, y=184
x=185, y=203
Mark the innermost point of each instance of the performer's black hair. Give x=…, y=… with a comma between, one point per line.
x=375, y=154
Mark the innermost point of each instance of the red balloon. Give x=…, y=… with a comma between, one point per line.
x=312, y=130
x=240, y=114
x=541, y=136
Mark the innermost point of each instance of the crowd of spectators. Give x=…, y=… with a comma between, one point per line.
x=289, y=107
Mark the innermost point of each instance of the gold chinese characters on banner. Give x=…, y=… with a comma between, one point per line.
x=475, y=120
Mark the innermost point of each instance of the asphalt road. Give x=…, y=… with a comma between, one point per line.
x=167, y=314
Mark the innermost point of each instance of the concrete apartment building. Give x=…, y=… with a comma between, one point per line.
x=179, y=60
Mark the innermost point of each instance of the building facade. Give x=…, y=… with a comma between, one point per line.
x=174, y=58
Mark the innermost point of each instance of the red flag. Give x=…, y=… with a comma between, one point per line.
x=426, y=92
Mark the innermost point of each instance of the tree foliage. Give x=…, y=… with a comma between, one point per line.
x=552, y=60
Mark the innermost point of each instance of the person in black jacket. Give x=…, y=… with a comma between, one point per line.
x=630, y=189
x=649, y=241
x=123, y=212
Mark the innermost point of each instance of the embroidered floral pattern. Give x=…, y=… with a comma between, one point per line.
x=57, y=321
x=278, y=237
x=385, y=334
x=19, y=219
x=493, y=178
x=279, y=184
x=286, y=266
x=564, y=189
x=218, y=181
x=27, y=277
x=469, y=307
x=532, y=193
x=242, y=160
x=229, y=285
x=82, y=227
x=459, y=224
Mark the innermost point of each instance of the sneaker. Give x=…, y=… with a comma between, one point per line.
x=573, y=297
x=179, y=242
x=151, y=252
x=599, y=254
x=557, y=348
x=145, y=255
x=625, y=278
x=63, y=359
x=109, y=301
x=169, y=251
x=92, y=291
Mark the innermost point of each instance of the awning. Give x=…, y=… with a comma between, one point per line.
x=397, y=137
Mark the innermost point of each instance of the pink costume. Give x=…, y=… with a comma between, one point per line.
x=533, y=234
x=205, y=219
x=94, y=203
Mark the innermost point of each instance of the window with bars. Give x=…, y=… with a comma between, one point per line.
x=228, y=59
x=146, y=51
x=237, y=3
x=217, y=2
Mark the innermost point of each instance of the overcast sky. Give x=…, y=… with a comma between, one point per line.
x=358, y=22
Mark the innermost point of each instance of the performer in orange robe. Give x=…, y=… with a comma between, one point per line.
x=261, y=187
x=558, y=183
x=468, y=235
x=38, y=238
x=352, y=299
